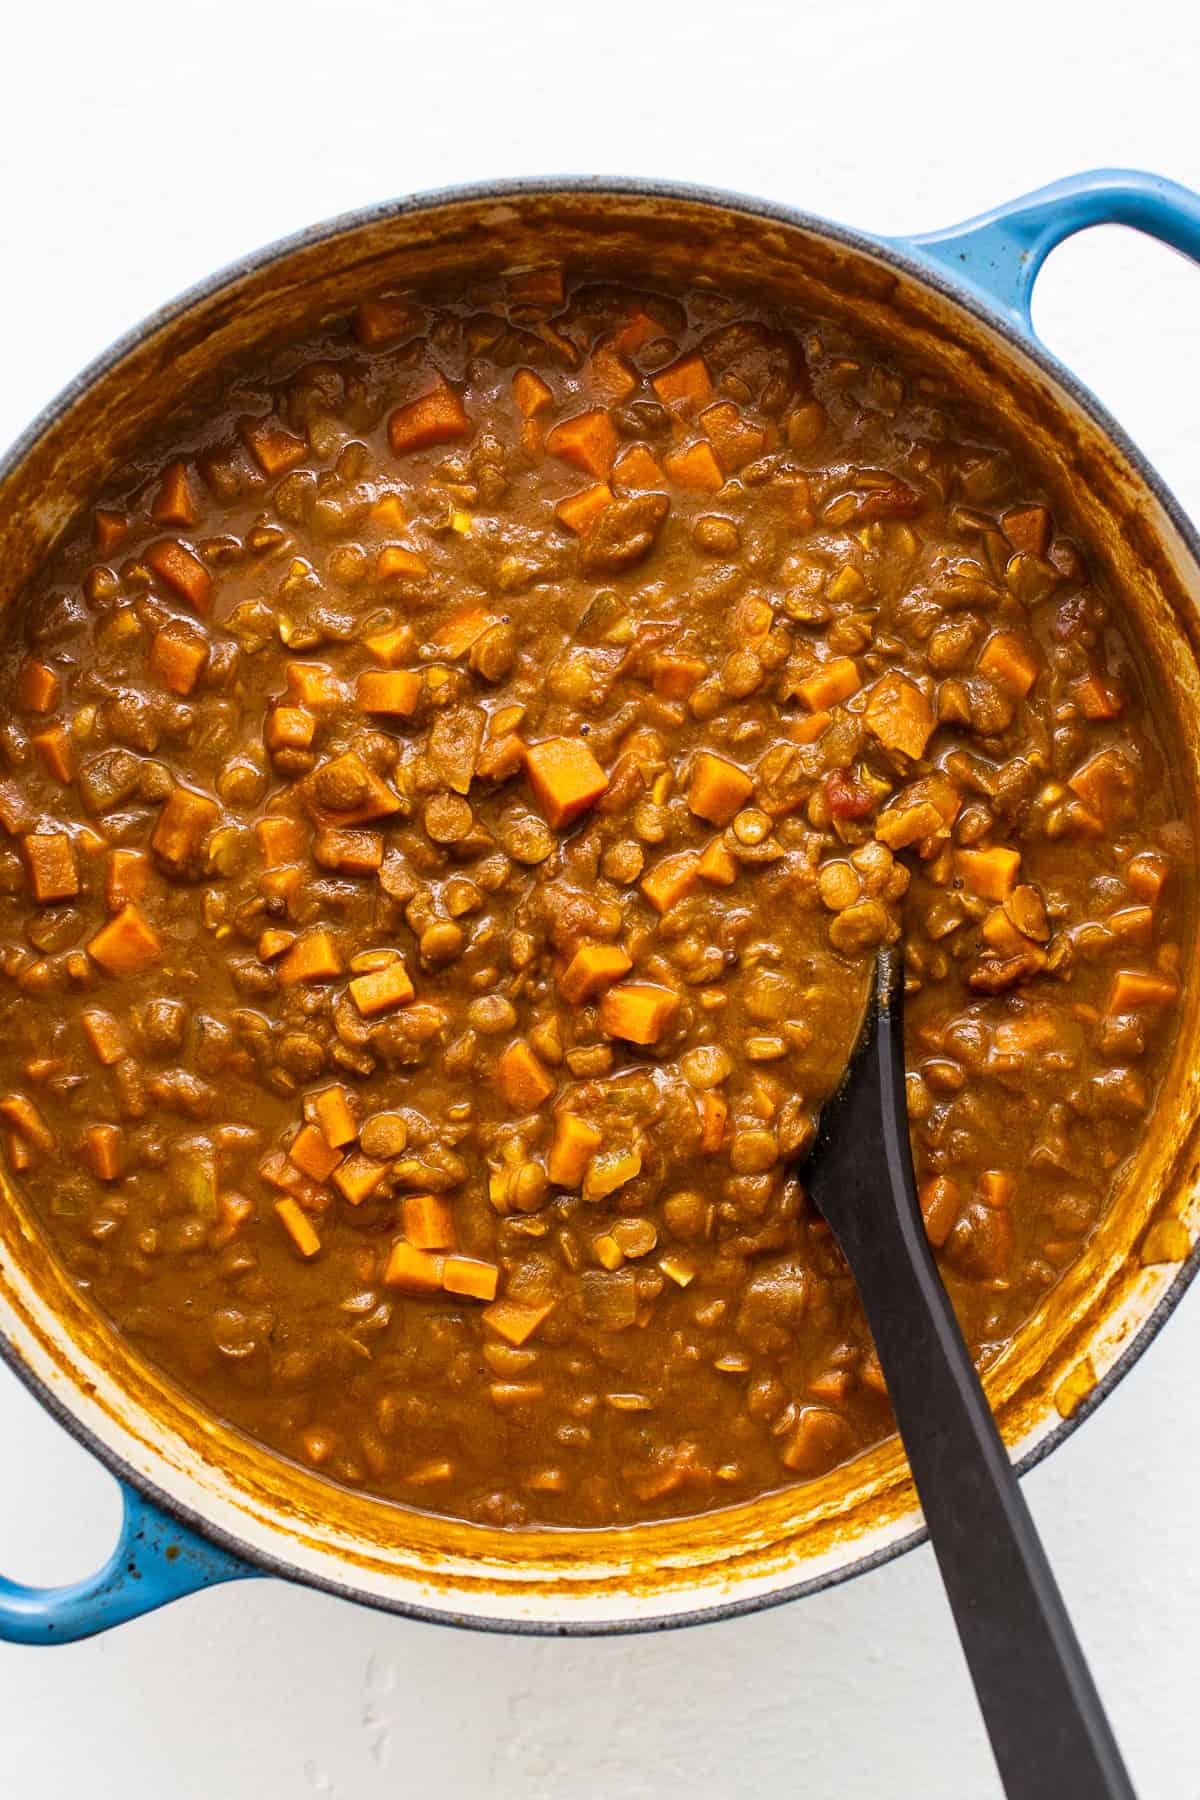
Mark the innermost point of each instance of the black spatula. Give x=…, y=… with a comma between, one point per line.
x=1049, y=1732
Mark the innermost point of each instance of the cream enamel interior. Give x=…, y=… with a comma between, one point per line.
x=277, y=1511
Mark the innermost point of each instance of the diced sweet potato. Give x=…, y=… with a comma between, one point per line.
x=54, y=750
x=638, y=1012
x=501, y=758
x=611, y=378
x=19, y=1111
x=1027, y=528
x=428, y=1221
x=289, y=728
x=717, y=864
x=109, y=529
x=183, y=824
x=829, y=685
x=38, y=687
x=314, y=685
x=174, y=503
x=899, y=715
x=671, y=878
x=573, y=1145
x=392, y=691
x=105, y=1035
x=523, y=1082
x=273, y=942
x=50, y=860
x=413, y=1271
x=940, y=1198
x=127, y=944
x=281, y=840
x=104, y=1149
x=298, y=1225
x=1146, y=874
x=685, y=384
x=718, y=788
x=456, y=635
x=565, y=777
x=438, y=417
x=353, y=852
x=336, y=1117
x=991, y=873
x=530, y=393
x=182, y=571
x=1096, y=697
x=515, y=1320
x=127, y=879
x=995, y=1187
x=675, y=677
x=382, y=990
x=736, y=440
x=312, y=1154
x=1132, y=990
x=397, y=562
x=578, y=511
x=358, y=1176
x=592, y=968
x=384, y=321
x=178, y=653
x=1103, y=782
x=696, y=468
x=589, y=442
x=1011, y=661
x=470, y=1277
x=393, y=646
x=636, y=470
x=274, y=448
x=313, y=957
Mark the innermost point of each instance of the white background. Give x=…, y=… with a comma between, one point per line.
x=144, y=145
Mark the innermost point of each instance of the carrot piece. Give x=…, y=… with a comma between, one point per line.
x=385, y=321
x=357, y=852
x=991, y=874
x=177, y=655
x=127, y=944
x=289, y=728
x=274, y=448
x=735, y=440
x=829, y=685
x=899, y=715
x=358, y=1176
x=50, y=860
x=1146, y=874
x=298, y=1225
x=995, y=1187
x=174, y=503
x=592, y=968
x=399, y=562
x=573, y=1145
x=392, y=691
x=589, y=442
x=515, y=1320
x=530, y=392
x=638, y=1011
x=717, y=864
x=335, y=1116
x=1011, y=661
x=939, y=1198
x=717, y=789
x=183, y=571
x=470, y=1277
x=436, y=418
x=19, y=1111
x=412, y=1270
x=104, y=1148
x=313, y=957
x=183, y=824
x=428, y=1221
x=456, y=636
x=280, y=839
x=382, y=990
x=685, y=383
x=128, y=878
x=636, y=468
x=38, y=687
x=312, y=1155
x=714, y=1111
x=109, y=529
x=523, y=1082
x=577, y=511
x=695, y=467
x=670, y=879
x=391, y=647
x=1133, y=991
x=675, y=677
x=565, y=777
x=273, y=942
x=106, y=1036
x=1027, y=529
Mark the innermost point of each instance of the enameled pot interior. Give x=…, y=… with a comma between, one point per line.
x=282, y=1513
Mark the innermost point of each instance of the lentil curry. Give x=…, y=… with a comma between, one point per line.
x=454, y=790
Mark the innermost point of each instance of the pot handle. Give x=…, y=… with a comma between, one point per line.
x=156, y=1559
x=999, y=254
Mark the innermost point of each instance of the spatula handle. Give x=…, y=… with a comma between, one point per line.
x=1049, y=1732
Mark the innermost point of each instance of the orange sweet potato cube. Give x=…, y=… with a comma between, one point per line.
x=428, y=1221
x=174, y=503
x=1132, y=990
x=280, y=839
x=1027, y=529
x=38, y=687
x=313, y=685
x=588, y=442
x=54, y=748
x=991, y=874
x=438, y=417
x=470, y=1277
x=289, y=728
x=182, y=571
x=392, y=646
x=523, y=1082
x=1146, y=874
x=384, y=321
x=735, y=440
x=397, y=562
x=312, y=1154
x=829, y=685
x=50, y=861
x=718, y=789
x=313, y=957
x=177, y=655
x=636, y=469
x=127, y=879
x=638, y=1012
x=685, y=383
x=412, y=1270
x=358, y=1176
x=1011, y=661
x=274, y=448
x=671, y=878
x=127, y=944
x=105, y=1035
x=696, y=467
x=578, y=511
x=530, y=393
x=592, y=968
x=103, y=1146
x=675, y=677
x=392, y=691
x=382, y=990
x=457, y=634
x=565, y=777
x=939, y=1199
x=183, y=824
x=899, y=715
x=298, y=1225
x=335, y=1115
x=612, y=380
x=717, y=864
x=273, y=942
x=573, y=1145
x=109, y=529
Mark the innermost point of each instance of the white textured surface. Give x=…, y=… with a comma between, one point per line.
x=144, y=145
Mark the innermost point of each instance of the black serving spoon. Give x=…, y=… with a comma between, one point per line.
x=1050, y=1736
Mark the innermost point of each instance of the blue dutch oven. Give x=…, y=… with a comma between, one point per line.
x=201, y=1504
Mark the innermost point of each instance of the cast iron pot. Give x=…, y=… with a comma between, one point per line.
x=204, y=1505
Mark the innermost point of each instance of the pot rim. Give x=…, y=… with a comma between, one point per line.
x=902, y=255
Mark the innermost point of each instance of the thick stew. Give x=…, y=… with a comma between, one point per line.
x=454, y=788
